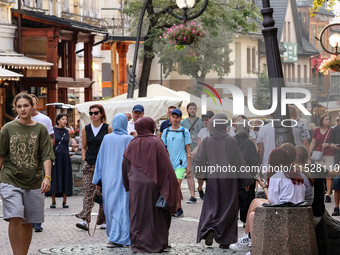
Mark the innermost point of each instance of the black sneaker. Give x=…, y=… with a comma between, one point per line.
x=179, y=213
x=192, y=200
x=328, y=199
x=336, y=212
x=201, y=192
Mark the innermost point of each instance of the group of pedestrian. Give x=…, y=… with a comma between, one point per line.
x=139, y=175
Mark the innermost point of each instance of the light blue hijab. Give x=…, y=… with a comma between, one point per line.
x=109, y=171
x=119, y=124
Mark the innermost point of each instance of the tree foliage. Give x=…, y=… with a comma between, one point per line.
x=220, y=20
x=318, y=3
x=262, y=98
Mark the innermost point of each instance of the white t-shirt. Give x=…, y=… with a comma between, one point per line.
x=267, y=137
x=96, y=130
x=203, y=133
x=45, y=120
x=232, y=131
x=282, y=189
x=131, y=127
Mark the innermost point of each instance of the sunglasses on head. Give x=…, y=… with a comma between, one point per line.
x=95, y=113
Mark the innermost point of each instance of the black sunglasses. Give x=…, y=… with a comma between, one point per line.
x=95, y=113
x=205, y=119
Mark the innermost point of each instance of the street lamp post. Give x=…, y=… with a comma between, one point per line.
x=334, y=41
x=275, y=74
x=183, y=4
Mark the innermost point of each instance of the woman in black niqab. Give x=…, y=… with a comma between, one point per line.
x=220, y=207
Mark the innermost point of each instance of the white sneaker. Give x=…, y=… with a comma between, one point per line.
x=103, y=226
x=243, y=244
x=248, y=253
x=82, y=225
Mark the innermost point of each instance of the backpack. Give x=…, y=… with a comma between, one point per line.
x=177, y=131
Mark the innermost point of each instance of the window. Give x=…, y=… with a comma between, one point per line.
x=288, y=32
x=265, y=67
x=313, y=40
x=248, y=60
x=253, y=60
x=288, y=72
x=299, y=74
x=293, y=73
x=319, y=44
x=305, y=73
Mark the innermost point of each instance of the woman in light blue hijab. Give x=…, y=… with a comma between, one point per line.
x=109, y=171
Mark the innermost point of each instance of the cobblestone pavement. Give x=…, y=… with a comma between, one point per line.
x=60, y=235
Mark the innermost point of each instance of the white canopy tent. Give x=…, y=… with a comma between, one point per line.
x=154, y=107
x=9, y=75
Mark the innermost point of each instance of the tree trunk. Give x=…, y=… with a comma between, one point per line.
x=144, y=79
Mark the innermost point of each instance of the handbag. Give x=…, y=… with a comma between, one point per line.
x=317, y=155
x=161, y=203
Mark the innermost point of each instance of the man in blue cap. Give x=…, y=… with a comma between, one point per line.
x=177, y=141
x=137, y=112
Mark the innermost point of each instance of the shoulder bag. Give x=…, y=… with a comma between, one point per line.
x=317, y=155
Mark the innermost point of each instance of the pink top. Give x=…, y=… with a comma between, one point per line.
x=319, y=140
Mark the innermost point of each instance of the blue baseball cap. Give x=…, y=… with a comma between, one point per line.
x=177, y=112
x=138, y=108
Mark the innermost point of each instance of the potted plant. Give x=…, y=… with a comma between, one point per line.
x=331, y=64
x=184, y=34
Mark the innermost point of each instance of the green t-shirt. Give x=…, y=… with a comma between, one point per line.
x=25, y=148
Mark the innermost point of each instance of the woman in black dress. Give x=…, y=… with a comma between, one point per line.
x=62, y=181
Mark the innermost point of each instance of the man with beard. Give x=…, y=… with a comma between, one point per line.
x=194, y=124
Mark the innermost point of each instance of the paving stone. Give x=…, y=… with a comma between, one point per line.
x=61, y=236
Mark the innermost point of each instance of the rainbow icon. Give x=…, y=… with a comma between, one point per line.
x=209, y=93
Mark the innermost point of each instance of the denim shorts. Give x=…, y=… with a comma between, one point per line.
x=27, y=204
x=336, y=183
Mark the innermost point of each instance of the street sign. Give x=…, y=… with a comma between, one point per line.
x=291, y=53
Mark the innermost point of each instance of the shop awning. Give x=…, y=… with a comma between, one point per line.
x=19, y=61
x=9, y=75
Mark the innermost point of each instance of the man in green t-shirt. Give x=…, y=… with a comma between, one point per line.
x=194, y=124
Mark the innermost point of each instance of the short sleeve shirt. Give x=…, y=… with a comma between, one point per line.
x=320, y=139
x=203, y=133
x=282, y=189
x=194, y=130
x=165, y=124
x=46, y=121
x=300, y=132
x=175, y=143
x=25, y=148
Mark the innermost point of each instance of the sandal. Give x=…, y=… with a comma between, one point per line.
x=65, y=205
x=53, y=206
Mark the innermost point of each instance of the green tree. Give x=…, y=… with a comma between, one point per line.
x=219, y=17
x=211, y=54
x=262, y=98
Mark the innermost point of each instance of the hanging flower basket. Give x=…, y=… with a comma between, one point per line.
x=184, y=34
x=332, y=64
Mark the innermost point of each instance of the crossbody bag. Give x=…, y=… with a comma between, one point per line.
x=317, y=155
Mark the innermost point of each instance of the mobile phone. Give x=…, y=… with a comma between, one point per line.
x=337, y=145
